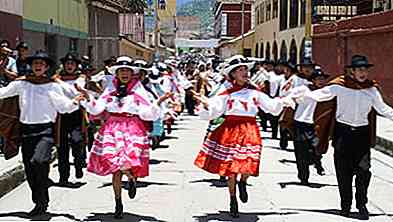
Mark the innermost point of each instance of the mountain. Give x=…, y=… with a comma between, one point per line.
x=200, y=8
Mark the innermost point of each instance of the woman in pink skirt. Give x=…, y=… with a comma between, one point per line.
x=121, y=146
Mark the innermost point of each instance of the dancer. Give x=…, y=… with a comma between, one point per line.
x=234, y=148
x=121, y=145
x=354, y=129
x=40, y=100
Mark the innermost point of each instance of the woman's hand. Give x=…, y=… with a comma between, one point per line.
x=82, y=92
x=164, y=97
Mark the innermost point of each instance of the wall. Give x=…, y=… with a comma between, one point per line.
x=370, y=35
x=104, y=31
x=11, y=20
x=134, y=50
x=64, y=17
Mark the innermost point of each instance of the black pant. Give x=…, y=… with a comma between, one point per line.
x=71, y=136
x=305, y=143
x=190, y=103
x=264, y=117
x=37, y=143
x=274, y=124
x=352, y=157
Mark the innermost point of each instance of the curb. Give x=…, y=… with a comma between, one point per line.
x=15, y=176
x=384, y=145
x=11, y=179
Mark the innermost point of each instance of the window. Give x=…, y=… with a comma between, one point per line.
x=268, y=10
x=262, y=13
x=275, y=8
x=283, y=14
x=73, y=45
x=284, y=51
x=275, y=51
x=257, y=15
x=261, y=51
x=294, y=14
x=256, y=50
x=267, y=53
x=302, y=12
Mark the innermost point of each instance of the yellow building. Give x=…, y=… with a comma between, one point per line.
x=279, y=29
x=167, y=22
x=57, y=26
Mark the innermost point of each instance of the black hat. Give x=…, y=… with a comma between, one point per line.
x=268, y=62
x=359, y=61
x=110, y=60
x=287, y=63
x=40, y=54
x=70, y=57
x=318, y=73
x=22, y=45
x=306, y=62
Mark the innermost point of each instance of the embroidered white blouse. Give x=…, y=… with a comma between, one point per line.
x=353, y=105
x=244, y=102
x=38, y=103
x=137, y=103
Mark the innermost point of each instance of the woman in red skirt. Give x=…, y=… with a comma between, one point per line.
x=234, y=148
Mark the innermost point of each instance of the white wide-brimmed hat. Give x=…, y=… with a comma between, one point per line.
x=123, y=62
x=236, y=61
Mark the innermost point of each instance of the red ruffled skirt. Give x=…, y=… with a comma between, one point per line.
x=233, y=148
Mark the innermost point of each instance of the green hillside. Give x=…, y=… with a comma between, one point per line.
x=200, y=8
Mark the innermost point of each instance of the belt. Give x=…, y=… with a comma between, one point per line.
x=351, y=128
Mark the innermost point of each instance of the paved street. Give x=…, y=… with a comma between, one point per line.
x=178, y=191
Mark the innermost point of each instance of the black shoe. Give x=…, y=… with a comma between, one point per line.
x=118, y=209
x=63, y=182
x=304, y=182
x=320, y=170
x=234, y=209
x=131, y=189
x=363, y=213
x=78, y=173
x=243, y=191
x=345, y=212
x=37, y=210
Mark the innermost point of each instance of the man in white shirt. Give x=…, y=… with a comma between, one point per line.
x=305, y=138
x=40, y=101
x=354, y=130
x=71, y=136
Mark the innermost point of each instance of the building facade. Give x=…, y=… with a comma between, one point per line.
x=132, y=26
x=167, y=17
x=188, y=27
x=227, y=19
x=11, y=12
x=280, y=24
x=56, y=26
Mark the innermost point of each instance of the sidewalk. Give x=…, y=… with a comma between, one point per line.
x=384, y=135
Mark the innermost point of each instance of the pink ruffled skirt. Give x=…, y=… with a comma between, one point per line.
x=121, y=144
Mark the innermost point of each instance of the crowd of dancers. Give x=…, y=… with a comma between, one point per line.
x=111, y=119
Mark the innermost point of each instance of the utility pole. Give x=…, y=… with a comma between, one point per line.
x=156, y=32
x=242, y=49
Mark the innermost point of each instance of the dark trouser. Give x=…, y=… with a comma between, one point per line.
x=190, y=103
x=284, y=137
x=264, y=117
x=352, y=157
x=37, y=143
x=71, y=136
x=305, y=143
x=274, y=124
x=91, y=131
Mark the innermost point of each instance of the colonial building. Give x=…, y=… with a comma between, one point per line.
x=280, y=24
x=227, y=18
